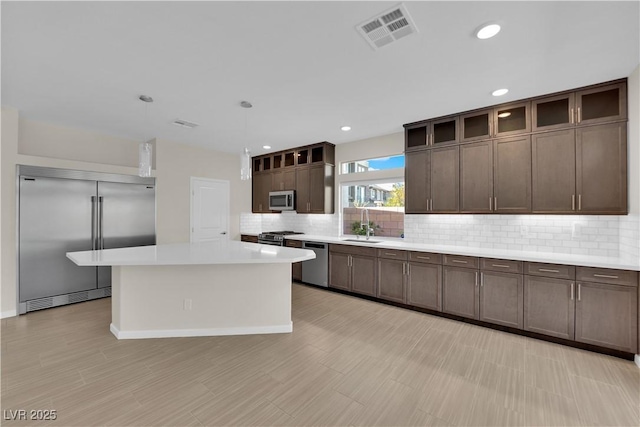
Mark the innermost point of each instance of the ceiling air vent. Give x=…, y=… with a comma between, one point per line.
x=185, y=124
x=387, y=27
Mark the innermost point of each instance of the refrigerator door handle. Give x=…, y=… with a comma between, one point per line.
x=94, y=223
x=100, y=235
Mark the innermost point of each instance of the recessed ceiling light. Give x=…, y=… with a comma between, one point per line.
x=488, y=31
x=499, y=92
x=505, y=114
x=345, y=128
x=266, y=147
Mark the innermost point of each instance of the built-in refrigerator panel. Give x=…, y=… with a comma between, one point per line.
x=49, y=228
x=62, y=211
x=125, y=212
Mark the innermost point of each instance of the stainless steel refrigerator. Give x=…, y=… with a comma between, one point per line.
x=61, y=211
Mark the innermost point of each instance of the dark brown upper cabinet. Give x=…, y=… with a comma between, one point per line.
x=476, y=126
x=476, y=177
x=308, y=170
x=601, y=104
x=512, y=119
x=416, y=137
x=512, y=175
x=443, y=131
x=444, y=180
x=554, y=112
x=594, y=105
x=417, y=181
x=601, y=169
x=554, y=172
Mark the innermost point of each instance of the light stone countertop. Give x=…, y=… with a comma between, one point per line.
x=546, y=257
x=221, y=252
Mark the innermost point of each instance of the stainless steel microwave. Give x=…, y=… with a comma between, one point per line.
x=282, y=200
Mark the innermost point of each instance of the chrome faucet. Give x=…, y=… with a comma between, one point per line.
x=365, y=213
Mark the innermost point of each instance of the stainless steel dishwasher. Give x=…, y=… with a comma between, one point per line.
x=316, y=271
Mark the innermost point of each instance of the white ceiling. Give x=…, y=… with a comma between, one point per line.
x=302, y=65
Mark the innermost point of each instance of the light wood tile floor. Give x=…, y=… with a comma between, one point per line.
x=348, y=362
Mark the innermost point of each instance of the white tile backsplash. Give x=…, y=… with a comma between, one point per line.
x=604, y=235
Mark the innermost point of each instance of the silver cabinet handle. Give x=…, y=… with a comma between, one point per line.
x=495, y=203
x=408, y=269
x=490, y=203
x=349, y=261
x=571, y=291
x=481, y=279
x=390, y=254
x=476, y=279
x=579, y=202
x=548, y=270
x=459, y=261
x=571, y=117
x=578, y=291
x=431, y=201
x=404, y=268
x=606, y=276
x=423, y=257
x=579, y=121
x=573, y=202
x=499, y=265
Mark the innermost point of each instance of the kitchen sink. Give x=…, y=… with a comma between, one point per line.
x=361, y=240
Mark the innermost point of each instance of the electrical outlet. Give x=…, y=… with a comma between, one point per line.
x=575, y=230
x=187, y=304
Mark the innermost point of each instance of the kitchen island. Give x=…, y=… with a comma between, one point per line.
x=198, y=289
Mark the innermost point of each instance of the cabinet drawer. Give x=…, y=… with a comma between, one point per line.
x=550, y=270
x=503, y=265
x=354, y=250
x=606, y=275
x=461, y=261
x=392, y=254
x=427, y=257
x=248, y=238
x=293, y=243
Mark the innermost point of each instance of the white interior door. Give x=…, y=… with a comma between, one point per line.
x=209, y=209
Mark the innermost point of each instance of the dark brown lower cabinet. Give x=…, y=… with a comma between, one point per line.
x=549, y=306
x=296, y=267
x=248, y=238
x=391, y=279
x=502, y=298
x=352, y=269
x=363, y=275
x=340, y=270
x=460, y=292
x=606, y=315
x=424, y=285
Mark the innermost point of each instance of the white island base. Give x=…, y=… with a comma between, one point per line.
x=157, y=301
x=198, y=289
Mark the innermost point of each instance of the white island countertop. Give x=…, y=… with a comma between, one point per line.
x=205, y=253
x=620, y=263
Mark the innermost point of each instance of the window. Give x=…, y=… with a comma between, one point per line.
x=368, y=165
x=378, y=187
x=384, y=202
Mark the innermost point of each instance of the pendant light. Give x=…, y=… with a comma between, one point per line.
x=145, y=149
x=245, y=157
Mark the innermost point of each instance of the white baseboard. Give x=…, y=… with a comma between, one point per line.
x=208, y=332
x=636, y=359
x=10, y=313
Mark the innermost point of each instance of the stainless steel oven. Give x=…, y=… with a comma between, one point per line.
x=274, y=238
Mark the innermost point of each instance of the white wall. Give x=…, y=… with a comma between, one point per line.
x=176, y=163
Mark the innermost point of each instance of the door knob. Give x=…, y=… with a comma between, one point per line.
x=224, y=232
